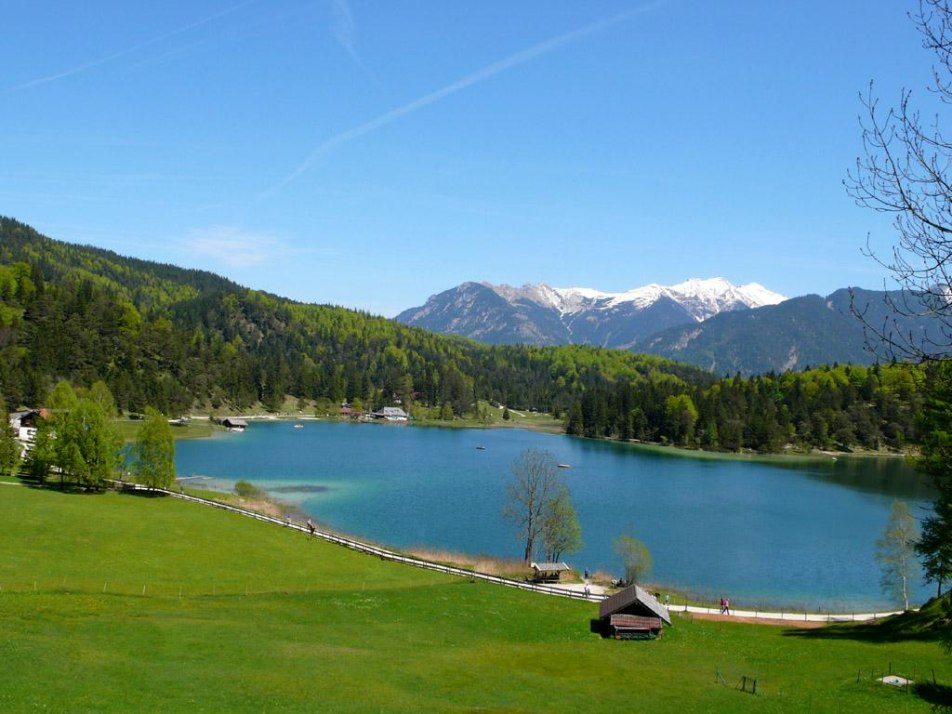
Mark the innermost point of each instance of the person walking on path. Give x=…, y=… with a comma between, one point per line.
x=310, y=526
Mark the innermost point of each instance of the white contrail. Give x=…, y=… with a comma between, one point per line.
x=344, y=29
x=129, y=50
x=469, y=80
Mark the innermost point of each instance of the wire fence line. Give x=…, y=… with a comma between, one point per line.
x=386, y=554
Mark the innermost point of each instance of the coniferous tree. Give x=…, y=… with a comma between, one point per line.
x=935, y=545
x=9, y=446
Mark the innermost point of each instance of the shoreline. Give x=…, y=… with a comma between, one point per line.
x=687, y=592
x=789, y=618
x=681, y=600
x=787, y=456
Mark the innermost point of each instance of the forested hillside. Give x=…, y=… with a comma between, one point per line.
x=179, y=340
x=839, y=407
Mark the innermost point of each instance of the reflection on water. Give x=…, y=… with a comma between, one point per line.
x=780, y=532
x=883, y=476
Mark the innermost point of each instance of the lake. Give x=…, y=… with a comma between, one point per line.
x=778, y=533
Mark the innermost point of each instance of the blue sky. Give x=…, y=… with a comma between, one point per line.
x=370, y=153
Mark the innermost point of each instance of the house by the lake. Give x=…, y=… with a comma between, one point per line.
x=234, y=424
x=390, y=414
x=23, y=423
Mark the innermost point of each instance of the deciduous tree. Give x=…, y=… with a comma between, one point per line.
x=904, y=172
x=154, y=451
x=86, y=446
x=635, y=557
x=535, y=483
x=895, y=552
x=561, y=532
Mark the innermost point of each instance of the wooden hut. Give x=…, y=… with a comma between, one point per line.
x=633, y=614
x=549, y=572
x=234, y=424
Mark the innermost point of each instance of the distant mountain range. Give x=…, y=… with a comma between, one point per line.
x=543, y=315
x=709, y=323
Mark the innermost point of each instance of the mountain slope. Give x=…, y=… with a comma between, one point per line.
x=796, y=334
x=708, y=323
x=172, y=338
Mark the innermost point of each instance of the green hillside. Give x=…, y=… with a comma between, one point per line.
x=118, y=603
x=176, y=339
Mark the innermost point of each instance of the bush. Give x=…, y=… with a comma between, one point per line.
x=247, y=490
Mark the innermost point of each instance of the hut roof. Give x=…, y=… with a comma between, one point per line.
x=550, y=567
x=635, y=600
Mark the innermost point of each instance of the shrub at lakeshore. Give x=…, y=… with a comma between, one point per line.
x=154, y=604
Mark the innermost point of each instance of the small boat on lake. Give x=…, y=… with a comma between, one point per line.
x=298, y=426
x=480, y=448
x=564, y=466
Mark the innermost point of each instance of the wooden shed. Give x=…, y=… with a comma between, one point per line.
x=549, y=572
x=234, y=424
x=633, y=613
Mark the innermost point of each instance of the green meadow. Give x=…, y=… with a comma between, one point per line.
x=122, y=603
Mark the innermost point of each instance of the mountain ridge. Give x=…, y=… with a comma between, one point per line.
x=710, y=323
x=539, y=314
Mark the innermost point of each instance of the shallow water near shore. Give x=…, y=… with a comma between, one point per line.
x=779, y=533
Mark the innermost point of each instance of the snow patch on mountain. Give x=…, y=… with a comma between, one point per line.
x=702, y=298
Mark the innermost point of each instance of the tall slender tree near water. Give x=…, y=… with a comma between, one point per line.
x=154, y=451
x=534, y=486
x=895, y=552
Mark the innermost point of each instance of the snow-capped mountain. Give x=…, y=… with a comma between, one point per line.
x=544, y=315
x=701, y=298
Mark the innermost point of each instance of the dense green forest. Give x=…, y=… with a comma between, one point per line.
x=180, y=340
x=838, y=407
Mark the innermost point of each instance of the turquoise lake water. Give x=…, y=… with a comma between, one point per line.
x=764, y=534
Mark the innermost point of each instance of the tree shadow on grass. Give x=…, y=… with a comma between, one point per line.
x=123, y=487
x=877, y=633
x=129, y=489
x=65, y=487
x=938, y=695
x=931, y=623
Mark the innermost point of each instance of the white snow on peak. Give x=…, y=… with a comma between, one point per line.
x=702, y=298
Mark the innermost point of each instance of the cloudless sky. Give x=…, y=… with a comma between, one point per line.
x=370, y=153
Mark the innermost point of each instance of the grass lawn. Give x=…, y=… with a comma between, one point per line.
x=119, y=603
x=198, y=429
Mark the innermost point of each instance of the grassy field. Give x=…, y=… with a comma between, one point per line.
x=198, y=429
x=119, y=603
